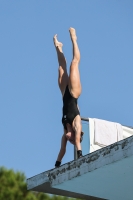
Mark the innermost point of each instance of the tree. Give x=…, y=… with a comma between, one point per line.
x=13, y=187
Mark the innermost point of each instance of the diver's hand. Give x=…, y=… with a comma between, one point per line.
x=57, y=163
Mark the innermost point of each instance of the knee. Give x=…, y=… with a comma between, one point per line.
x=76, y=60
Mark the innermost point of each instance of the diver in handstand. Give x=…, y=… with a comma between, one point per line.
x=70, y=87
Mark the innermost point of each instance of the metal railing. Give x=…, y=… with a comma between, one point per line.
x=87, y=119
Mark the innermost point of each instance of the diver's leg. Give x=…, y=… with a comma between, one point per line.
x=63, y=76
x=74, y=77
x=75, y=87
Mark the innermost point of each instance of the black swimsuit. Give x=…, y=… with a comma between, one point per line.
x=70, y=109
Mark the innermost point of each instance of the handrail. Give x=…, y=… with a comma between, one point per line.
x=87, y=119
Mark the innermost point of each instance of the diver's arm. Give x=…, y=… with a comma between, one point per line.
x=62, y=150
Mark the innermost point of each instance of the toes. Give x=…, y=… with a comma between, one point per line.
x=55, y=36
x=71, y=29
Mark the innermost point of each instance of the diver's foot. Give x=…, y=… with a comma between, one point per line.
x=57, y=43
x=73, y=34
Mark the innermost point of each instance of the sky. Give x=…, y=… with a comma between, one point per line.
x=30, y=100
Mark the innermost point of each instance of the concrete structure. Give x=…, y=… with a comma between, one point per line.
x=103, y=174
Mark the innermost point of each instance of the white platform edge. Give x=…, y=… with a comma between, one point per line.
x=87, y=163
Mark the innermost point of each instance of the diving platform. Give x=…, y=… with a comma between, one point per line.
x=106, y=173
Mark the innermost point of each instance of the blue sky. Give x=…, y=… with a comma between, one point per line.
x=31, y=103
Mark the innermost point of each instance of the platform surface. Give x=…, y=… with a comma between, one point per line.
x=104, y=174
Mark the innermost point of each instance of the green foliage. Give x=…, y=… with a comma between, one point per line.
x=13, y=187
